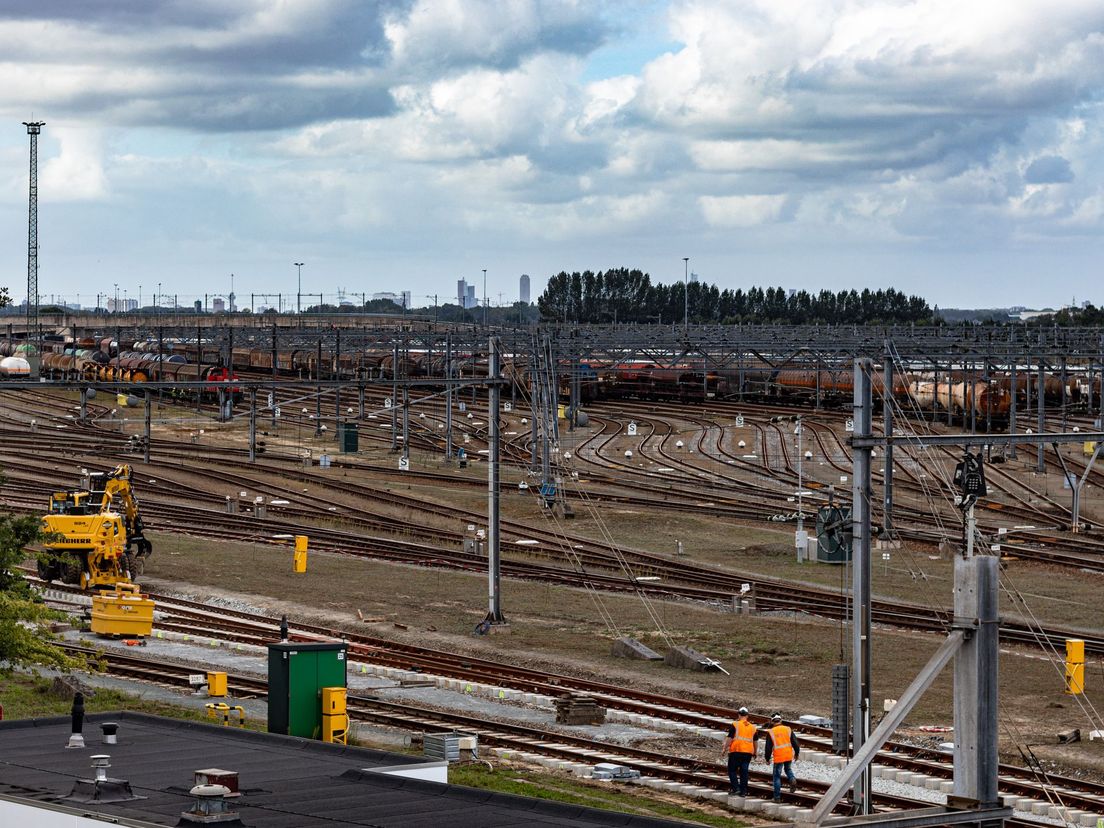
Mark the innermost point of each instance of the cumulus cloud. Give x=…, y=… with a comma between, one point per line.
x=815, y=121
x=76, y=172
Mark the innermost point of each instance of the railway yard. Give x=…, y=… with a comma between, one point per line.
x=641, y=485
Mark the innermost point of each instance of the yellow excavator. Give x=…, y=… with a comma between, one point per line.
x=95, y=539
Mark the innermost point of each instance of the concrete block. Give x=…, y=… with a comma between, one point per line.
x=785, y=811
x=1087, y=819
x=1040, y=808
x=877, y=770
x=687, y=658
x=775, y=809
x=932, y=784
x=735, y=802
x=628, y=647
x=753, y=805
x=1024, y=805
x=946, y=786
x=653, y=782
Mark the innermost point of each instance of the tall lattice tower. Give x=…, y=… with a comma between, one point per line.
x=33, y=129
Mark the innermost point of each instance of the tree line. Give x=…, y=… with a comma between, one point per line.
x=624, y=295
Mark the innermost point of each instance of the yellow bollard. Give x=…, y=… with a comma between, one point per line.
x=300, y=558
x=1075, y=666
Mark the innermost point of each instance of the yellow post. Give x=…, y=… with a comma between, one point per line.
x=1075, y=666
x=1089, y=448
x=300, y=558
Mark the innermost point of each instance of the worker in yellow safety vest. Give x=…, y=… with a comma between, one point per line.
x=739, y=747
x=780, y=749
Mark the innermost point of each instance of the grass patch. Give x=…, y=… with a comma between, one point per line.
x=606, y=796
x=29, y=697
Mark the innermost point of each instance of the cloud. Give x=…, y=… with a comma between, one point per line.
x=76, y=173
x=490, y=33
x=1048, y=169
x=457, y=125
x=742, y=211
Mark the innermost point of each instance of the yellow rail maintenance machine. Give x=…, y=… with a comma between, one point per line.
x=95, y=540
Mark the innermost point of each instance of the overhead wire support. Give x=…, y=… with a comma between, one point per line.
x=860, y=583
x=494, y=576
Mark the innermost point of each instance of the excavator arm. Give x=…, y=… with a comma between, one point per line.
x=119, y=496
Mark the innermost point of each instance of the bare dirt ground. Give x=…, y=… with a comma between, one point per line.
x=775, y=662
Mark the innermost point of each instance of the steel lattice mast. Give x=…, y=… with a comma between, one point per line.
x=33, y=129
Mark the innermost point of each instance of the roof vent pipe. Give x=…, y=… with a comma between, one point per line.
x=110, y=729
x=100, y=763
x=210, y=807
x=76, y=739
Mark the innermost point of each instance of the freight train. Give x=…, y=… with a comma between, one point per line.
x=954, y=393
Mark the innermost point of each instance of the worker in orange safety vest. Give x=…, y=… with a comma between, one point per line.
x=739, y=747
x=781, y=749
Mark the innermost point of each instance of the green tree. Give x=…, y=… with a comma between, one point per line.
x=25, y=637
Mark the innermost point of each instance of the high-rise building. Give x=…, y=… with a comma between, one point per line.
x=461, y=292
x=218, y=304
x=523, y=288
x=469, y=297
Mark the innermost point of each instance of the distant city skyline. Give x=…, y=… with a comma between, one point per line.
x=950, y=151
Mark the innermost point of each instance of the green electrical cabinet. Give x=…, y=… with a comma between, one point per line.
x=297, y=672
x=348, y=437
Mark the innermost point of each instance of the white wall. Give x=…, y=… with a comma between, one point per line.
x=40, y=816
x=429, y=771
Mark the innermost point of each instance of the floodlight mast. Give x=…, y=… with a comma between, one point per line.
x=34, y=128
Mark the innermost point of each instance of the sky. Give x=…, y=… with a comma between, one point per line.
x=947, y=149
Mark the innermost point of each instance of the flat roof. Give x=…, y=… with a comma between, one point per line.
x=286, y=782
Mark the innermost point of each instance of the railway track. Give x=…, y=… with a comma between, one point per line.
x=203, y=620
x=602, y=567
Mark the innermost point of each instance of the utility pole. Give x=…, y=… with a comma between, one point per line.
x=484, y=297
x=860, y=584
x=448, y=397
x=33, y=130
x=299, y=290
x=494, y=609
x=686, y=296
x=887, y=456
x=801, y=537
